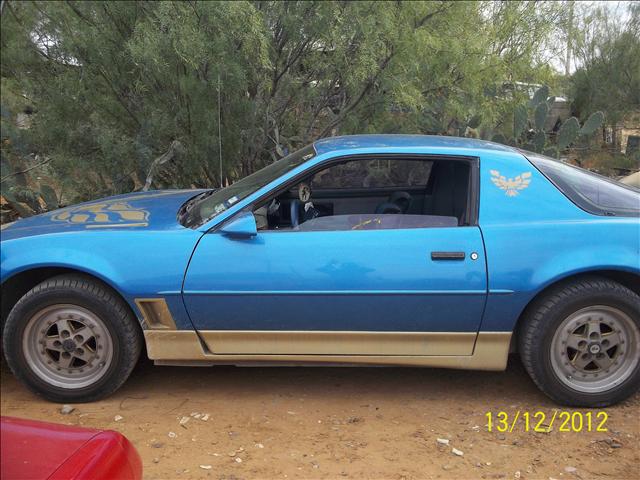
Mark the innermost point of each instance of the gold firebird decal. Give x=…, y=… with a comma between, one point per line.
x=109, y=214
x=511, y=185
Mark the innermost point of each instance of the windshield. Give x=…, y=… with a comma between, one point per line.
x=591, y=192
x=210, y=204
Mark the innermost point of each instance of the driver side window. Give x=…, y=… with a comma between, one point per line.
x=374, y=193
x=380, y=173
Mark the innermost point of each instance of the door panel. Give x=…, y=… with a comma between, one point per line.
x=338, y=282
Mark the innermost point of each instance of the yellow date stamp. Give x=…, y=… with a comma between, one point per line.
x=543, y=422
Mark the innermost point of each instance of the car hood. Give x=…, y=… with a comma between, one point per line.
x=154, y=210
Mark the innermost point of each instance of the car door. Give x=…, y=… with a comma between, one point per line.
x=391, y=291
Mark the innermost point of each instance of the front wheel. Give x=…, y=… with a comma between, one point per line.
x=581, y=343
x=70, y=339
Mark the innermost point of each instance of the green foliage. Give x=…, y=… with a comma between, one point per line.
x=499, y=138
x=474, y=122
x=607, y=48
x=112, y=85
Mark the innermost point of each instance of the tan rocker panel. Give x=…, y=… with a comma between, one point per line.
x=337, y=342
x=183, y=347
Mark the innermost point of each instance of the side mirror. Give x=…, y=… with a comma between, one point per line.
x=241, y=226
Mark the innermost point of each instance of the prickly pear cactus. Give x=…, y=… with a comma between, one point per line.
x=550, y=152
x=593, y=123
x=568, y=133
x=539, y=141
x=21, y=208
x=540, y=96
x=540, y=115
x=49, y=196
x=520, y=119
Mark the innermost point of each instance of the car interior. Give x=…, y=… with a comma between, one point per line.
x=373, y=193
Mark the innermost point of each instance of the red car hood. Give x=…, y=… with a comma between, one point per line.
x=38, y=450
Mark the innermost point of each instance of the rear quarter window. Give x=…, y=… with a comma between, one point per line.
x=591, y=192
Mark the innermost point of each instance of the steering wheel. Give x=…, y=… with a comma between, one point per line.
x=398, y=203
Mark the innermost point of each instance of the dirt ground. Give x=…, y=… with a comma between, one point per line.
x=375, y=423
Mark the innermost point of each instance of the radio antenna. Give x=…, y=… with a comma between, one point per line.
x=220, y=128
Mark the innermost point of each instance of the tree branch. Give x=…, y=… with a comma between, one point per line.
x=47, y=160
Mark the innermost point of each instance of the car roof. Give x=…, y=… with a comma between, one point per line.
x=349, y=142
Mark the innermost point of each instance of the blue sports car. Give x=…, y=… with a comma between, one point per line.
x=369, y=250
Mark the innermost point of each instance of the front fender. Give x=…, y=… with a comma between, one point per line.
x=145, y=264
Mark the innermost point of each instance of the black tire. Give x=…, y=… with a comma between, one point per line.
x=545, y=316
x=91, y=295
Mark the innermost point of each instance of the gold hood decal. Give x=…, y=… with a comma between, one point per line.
x=105, y=214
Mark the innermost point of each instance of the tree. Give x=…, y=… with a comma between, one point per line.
x=608, y=51
x=114, y=85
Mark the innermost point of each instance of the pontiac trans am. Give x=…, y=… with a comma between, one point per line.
x=371, y=250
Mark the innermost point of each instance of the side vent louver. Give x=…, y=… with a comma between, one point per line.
x=155, y=313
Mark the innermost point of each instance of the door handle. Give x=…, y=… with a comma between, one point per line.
x=447, y=255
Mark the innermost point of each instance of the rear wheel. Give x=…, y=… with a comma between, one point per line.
x=581, y=343
x=71, y=339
